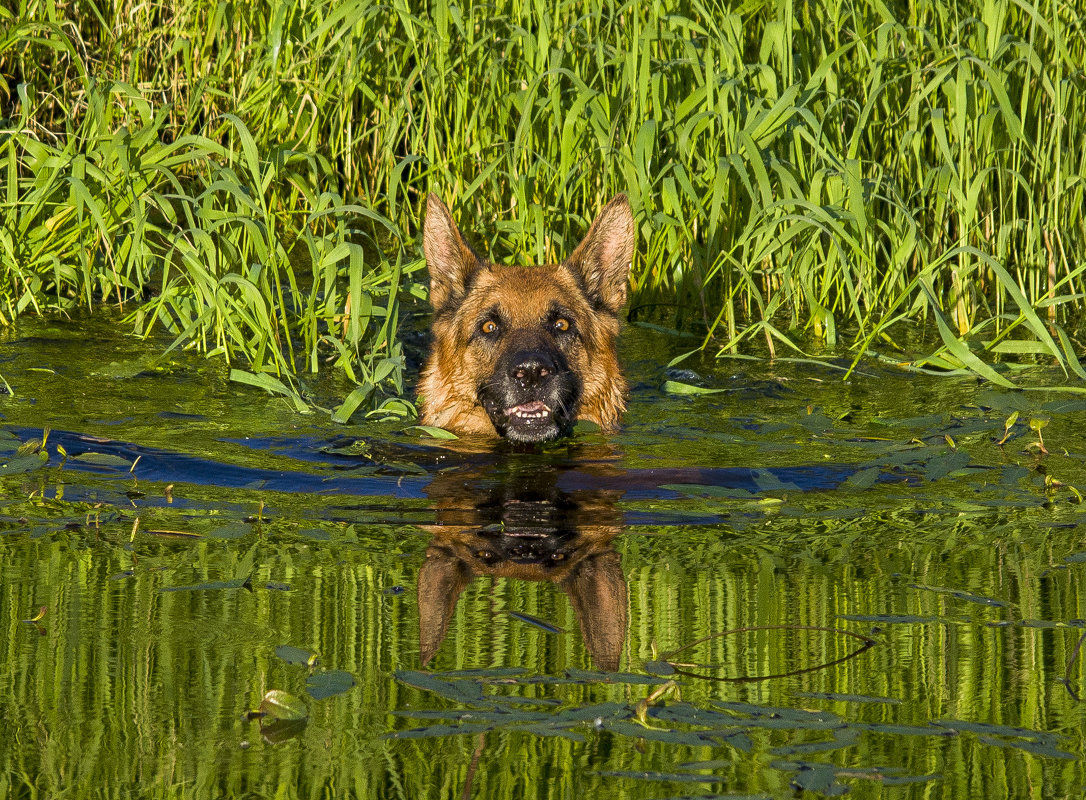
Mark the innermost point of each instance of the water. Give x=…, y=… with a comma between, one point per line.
x=844, y=587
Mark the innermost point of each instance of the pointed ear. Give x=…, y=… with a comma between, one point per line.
x=441, y=579
x=597, y=589
x=602, y=260
x=449, y=258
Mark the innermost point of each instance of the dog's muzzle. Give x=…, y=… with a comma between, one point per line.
x=531, y=396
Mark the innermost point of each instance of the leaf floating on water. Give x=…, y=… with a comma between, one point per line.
x=278, y=704
x=659, y=668
x=591, y=676
x=864, y=479
x=515, y=700
x=21, y=464
x=102, y=460
x=675, y=387
x=740, y=740
x=463, y=691
x=895, y=729
x=432, y=431
x=960, y=595
x=232, y=530
x=993, y=729
x=536, y=621
x=237, y=583
x=321, y=685
x=716, y=763
x=549, y=730
x=689, y=714
x=766, y=481
x=887, y=619
x=793, y=715
x=819, y=778
x=634, y=730
x=1038, y=748
x=941, y=466
x=484, y=673
x=596, y=712
x=296, y=655
x=167, y=532
x=697, y=489
x=842, y=737
x=433, y=731
x=400, y=468
x=669, y=777
x=849, y=698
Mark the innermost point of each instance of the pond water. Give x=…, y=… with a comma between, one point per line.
x=797, y=583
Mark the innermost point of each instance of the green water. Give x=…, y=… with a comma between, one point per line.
x=914, y=588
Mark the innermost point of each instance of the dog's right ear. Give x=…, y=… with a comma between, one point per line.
x=449, y=258
x=602, y=260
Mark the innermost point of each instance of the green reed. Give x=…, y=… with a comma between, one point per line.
x=249, y=177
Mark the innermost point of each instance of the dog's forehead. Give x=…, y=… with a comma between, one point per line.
x=527, y=293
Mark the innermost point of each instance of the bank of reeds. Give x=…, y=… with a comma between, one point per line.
x=249, y=175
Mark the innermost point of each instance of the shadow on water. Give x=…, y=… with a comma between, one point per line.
x=793, y=584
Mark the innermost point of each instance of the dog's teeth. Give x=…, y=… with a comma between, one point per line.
x=529, y=411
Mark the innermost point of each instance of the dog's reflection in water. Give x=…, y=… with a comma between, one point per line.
x=521, y=525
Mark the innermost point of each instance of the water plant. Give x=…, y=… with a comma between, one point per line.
x=248, y=177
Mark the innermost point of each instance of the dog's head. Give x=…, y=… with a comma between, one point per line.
x=525, y=351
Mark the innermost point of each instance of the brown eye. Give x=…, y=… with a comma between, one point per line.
x=490, y=326
x=561, y=324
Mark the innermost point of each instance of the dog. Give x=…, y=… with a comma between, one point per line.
x=524, y=352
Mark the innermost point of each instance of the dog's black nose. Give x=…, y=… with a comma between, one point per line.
x=531, y=367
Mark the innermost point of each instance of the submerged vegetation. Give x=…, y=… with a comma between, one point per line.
x=248, y=177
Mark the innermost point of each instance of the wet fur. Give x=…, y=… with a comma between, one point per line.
x=589, y=289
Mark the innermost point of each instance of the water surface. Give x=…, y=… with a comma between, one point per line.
x=796, y=583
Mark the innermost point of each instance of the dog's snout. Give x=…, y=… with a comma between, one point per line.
x=531, y=367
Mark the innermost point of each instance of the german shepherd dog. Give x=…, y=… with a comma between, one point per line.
x=524, y=352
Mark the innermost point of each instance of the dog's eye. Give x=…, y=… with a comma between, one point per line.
x=561, y=324
x=489, y=327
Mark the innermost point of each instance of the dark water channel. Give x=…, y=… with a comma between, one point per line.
x=797, y=584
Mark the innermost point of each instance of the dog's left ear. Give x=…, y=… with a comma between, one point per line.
x=602, y=259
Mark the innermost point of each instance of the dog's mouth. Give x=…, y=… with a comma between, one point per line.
x=533, y=421
x=526, y=412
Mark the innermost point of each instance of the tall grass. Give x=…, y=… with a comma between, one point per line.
x=831, y=169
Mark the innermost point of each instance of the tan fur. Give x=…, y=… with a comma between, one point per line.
x=591, y=283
